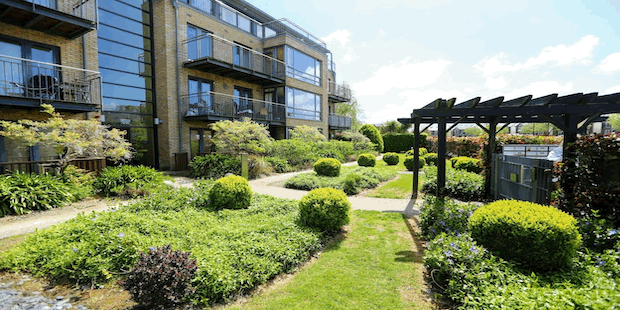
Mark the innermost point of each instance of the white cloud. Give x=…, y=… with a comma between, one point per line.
x=498, y=83
x=381, y=34
x=561, y=55
x=347, y=58
x=609, y=65
x=403, y=75
x=341, y=36
x=539, y=89
x=611, y=90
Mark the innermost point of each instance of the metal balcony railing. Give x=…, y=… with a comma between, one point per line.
x=339, y=121
x=340, y=91
x=219, y=105
x=209, y=46
x=285, y=26
x=332, y=66
x=42, y=81
x=86, y=9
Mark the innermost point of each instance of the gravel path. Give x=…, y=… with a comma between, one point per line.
x=11, y=299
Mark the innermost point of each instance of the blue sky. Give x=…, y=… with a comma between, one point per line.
x=399, y=55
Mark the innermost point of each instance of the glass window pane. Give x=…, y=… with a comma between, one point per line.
x=130, y=93
x=127, y=10
x=111, y=62
x=111, y=76
x=123, y=37
x=203, y=5
x=16, y=151
x=125, y=23
x=11, y=69
x=120, y=105
x=117, y=49
x=228, y=16
x=244, y=23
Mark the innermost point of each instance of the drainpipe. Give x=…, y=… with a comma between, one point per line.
x=176, y=42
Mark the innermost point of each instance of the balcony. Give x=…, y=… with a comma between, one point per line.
x=213, y=54
x=68, y=19
x=211, y=106
x=338, y=93
x=284, y=26
x=339, y=122
x=28, y=83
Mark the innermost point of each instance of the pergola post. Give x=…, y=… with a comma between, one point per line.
x=489, y=155
x=441, y=161
x=571, y=123
x=416, y=157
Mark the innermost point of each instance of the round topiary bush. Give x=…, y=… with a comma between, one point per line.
x=373, y=134
x=231, y=192
x=351, y=184
x=366, y=160
x=422, y=152
x=537, y=237
x=329, y=167
x=431, y=159
x=325, y=208
x=409, y=160
x=468, y=164
x=391, y=158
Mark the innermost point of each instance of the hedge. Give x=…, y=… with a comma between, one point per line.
x=401, y=142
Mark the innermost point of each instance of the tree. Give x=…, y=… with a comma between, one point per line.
x=243, y=136
x=374, y=135
x=70, y=138
x=307, y=134
x=474, y=131
x=614, y=121
x=351, y=109
x=539, y=129
x=394, y=127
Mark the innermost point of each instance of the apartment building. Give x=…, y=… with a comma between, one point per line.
x=163, y=71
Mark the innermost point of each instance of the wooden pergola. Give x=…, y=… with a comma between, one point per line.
x=572, y=114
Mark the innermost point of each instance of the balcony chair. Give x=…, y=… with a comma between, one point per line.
x=41, y=86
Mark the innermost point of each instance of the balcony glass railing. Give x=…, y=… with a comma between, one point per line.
x=46, y=81
x=339, y=91
x=214, y=47
x=274, y=28
x=86, y=9
x=339, y=121
x=234, y=107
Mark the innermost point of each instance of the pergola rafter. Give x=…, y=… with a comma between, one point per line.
x=571, y=113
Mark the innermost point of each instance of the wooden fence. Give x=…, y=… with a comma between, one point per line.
x=89, y=164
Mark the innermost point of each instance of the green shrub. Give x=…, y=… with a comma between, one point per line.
x=258, y=167
x=21, y=193
x=339, y=150
x=351, y=136
x=328, y=167
x=298, y=154
x=421, y=150
x=391, y=158
x=129, y=181
x=161, y=278
x=214, y=166
x=409, y=161
x=397, y=142
x=453, y=160
x=79, y=181
x=231, y=192
x=460, y=184
x=326, y=209
x=468, y=164
x=366, y=160
x=537, y=237
x=279, y=164
x=370, y=178
x=431, y=159
x=373, y=134
x=351, y=184
x=439, y=215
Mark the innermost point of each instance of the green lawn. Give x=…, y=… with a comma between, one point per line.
x=378, y=265
x=400, y=187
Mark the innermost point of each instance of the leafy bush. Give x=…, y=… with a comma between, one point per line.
x=214, y=166
x=79, y=181
x=366, y=160
x=328, y=167
x=21, y=193
x=439, y=215
x=352, y=136
x=339, y=150
x=468, y=164
x=326, y=209
x=598, y=233
x=351, y=184
x=373, y=134
x=592, y=180
x=369, y=178
x=398, y=142
x=460, y=184
x=307, y=134
x=244, y=136
x=421, y=150
x=231, y=192
x=258, y=166
x=130, y=181
x=235, y=250
x=297, y=153
x=161, y=278
x=431, y=159
x=391, y=158
x=535, y=236
x=410, y=160
x=279, y=164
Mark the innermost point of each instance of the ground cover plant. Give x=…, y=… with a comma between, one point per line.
x=235, y=250
x=474, y=277
x=377, y=266
x=21, y=193
x=460, y=184
x=129, y=181
x=368, y=177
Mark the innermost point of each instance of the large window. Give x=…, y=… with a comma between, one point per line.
x=242, y=56
x=200, y=96
x=203, y=5
x=199, y=44
x=200, y=142
x=302, y=104
x=302, y=66
x=243, y=102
